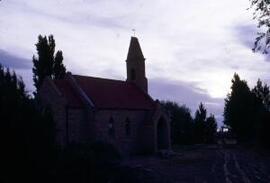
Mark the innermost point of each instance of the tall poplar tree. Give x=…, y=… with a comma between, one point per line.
x=59, y=70
x=47, y=63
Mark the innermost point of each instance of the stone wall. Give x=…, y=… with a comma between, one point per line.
x=76, y=126
x=126, y=143
x=85, y=125
x=49, y=97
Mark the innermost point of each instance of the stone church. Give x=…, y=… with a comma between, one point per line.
x=88, y=109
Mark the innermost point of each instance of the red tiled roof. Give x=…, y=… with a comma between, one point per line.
x=70, y=95
x=107, y=93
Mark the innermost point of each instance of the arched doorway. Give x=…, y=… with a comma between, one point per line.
x=162, y=134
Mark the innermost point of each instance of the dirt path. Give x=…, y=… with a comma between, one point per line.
x=204, y=165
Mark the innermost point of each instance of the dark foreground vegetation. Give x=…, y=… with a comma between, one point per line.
x=26, y=133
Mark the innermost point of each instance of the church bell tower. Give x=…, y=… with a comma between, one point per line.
x=136, y=65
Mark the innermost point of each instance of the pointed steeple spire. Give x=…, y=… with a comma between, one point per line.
x=135, y=51
x=136, y=65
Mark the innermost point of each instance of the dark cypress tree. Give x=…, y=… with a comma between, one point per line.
x=59, y=68
x=205, y=128
x=262, y=113
x=210, y=129
x=262, y=93
x=46, y=64
x=200, y=124
x=43, y=64
x=239, y=109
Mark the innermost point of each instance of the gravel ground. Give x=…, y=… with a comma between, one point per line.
x=198, y=164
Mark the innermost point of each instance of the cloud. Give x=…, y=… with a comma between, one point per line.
x=22, y=67
x=246, y=34
x=13, y=61
x=185, y=93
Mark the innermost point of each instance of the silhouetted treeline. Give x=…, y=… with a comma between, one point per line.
x=188, y=130
x=247, y=111
x=26, y=133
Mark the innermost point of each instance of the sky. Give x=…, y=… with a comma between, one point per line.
x=192, y=48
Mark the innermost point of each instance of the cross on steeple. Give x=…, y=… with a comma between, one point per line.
x=134, y=31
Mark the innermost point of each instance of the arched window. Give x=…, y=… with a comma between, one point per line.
x=133, y=74
x=111, y=127
x=127, y=127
